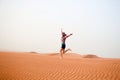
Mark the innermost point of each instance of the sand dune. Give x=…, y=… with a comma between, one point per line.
x=27, y=66
x=90, y=56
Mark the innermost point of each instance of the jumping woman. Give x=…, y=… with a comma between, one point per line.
x=63, y=45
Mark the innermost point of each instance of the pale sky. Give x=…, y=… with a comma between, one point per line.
x=34, y=25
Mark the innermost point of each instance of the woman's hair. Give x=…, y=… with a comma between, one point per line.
x=63, y=34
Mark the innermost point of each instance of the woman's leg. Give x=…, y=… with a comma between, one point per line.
x=67, y=50
x=61, y=52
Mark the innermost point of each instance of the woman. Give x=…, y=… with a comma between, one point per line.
x=63, y=45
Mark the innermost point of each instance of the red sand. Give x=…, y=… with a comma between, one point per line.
x=27, y=66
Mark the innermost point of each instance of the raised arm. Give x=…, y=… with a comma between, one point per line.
x=61, y=31
x=68, y=35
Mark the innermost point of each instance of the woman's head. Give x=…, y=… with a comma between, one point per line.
x=63, y=34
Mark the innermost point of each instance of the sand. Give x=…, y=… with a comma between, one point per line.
x=32, y=66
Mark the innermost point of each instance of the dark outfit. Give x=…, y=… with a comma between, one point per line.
x=63, y=46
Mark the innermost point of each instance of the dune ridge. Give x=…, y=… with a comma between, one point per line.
x=26, y=66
